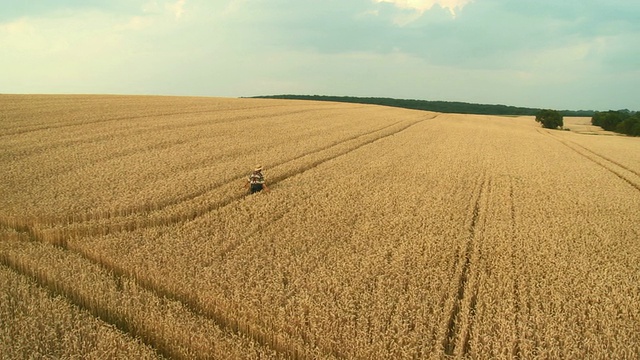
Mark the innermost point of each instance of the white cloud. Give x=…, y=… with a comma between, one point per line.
x=420, y=6
x=88, y=50
x=177, y=8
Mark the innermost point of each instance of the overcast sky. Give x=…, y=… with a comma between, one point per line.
x=559, y=54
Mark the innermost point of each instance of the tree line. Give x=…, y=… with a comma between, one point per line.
x=437, y=106
x=622, y=121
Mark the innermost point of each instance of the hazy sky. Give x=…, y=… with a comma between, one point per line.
x=560, y=54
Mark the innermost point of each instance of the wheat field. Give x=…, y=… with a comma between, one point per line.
x=126, y=232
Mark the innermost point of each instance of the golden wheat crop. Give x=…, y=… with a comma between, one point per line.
x=38, y=325
x=387, y=233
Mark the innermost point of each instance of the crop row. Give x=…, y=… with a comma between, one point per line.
x=138, y=165
x=45, y=326
x=169, y=328
x=462, y=236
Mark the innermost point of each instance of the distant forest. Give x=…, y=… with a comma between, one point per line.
x=437, y=106
x=622, y=121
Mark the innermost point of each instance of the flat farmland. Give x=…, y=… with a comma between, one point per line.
x=126, y=232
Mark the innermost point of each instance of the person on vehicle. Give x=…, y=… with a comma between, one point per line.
x=256, y=181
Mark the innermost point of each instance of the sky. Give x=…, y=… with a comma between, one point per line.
x=557, y=54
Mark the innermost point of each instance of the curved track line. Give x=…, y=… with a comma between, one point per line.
x=604, y=162
x=101, y=121
x=84, y=225
x=19, y=131
x=288, y=348
x=292, y=349
x=203, y=121
x=105, y=315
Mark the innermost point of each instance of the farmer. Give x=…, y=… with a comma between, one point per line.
x=256, y=180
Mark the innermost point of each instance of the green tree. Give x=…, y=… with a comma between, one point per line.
x=609, y=120
x=630, y=126
x=550, y=119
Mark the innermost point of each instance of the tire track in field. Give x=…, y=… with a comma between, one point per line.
x=147, y=208
x=105, y=315
x=114, y=119
x=457, y=337
x=221, y=317
x=178, y=210
x=517, y=290
x=100, y=121
x=235, y=178
x=37, y=150
x=20, y=131
x=623, y=172
x=166, y=144
x=172, y=126
x=285, y=347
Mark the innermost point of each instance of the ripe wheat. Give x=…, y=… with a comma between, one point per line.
x=388, y=233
